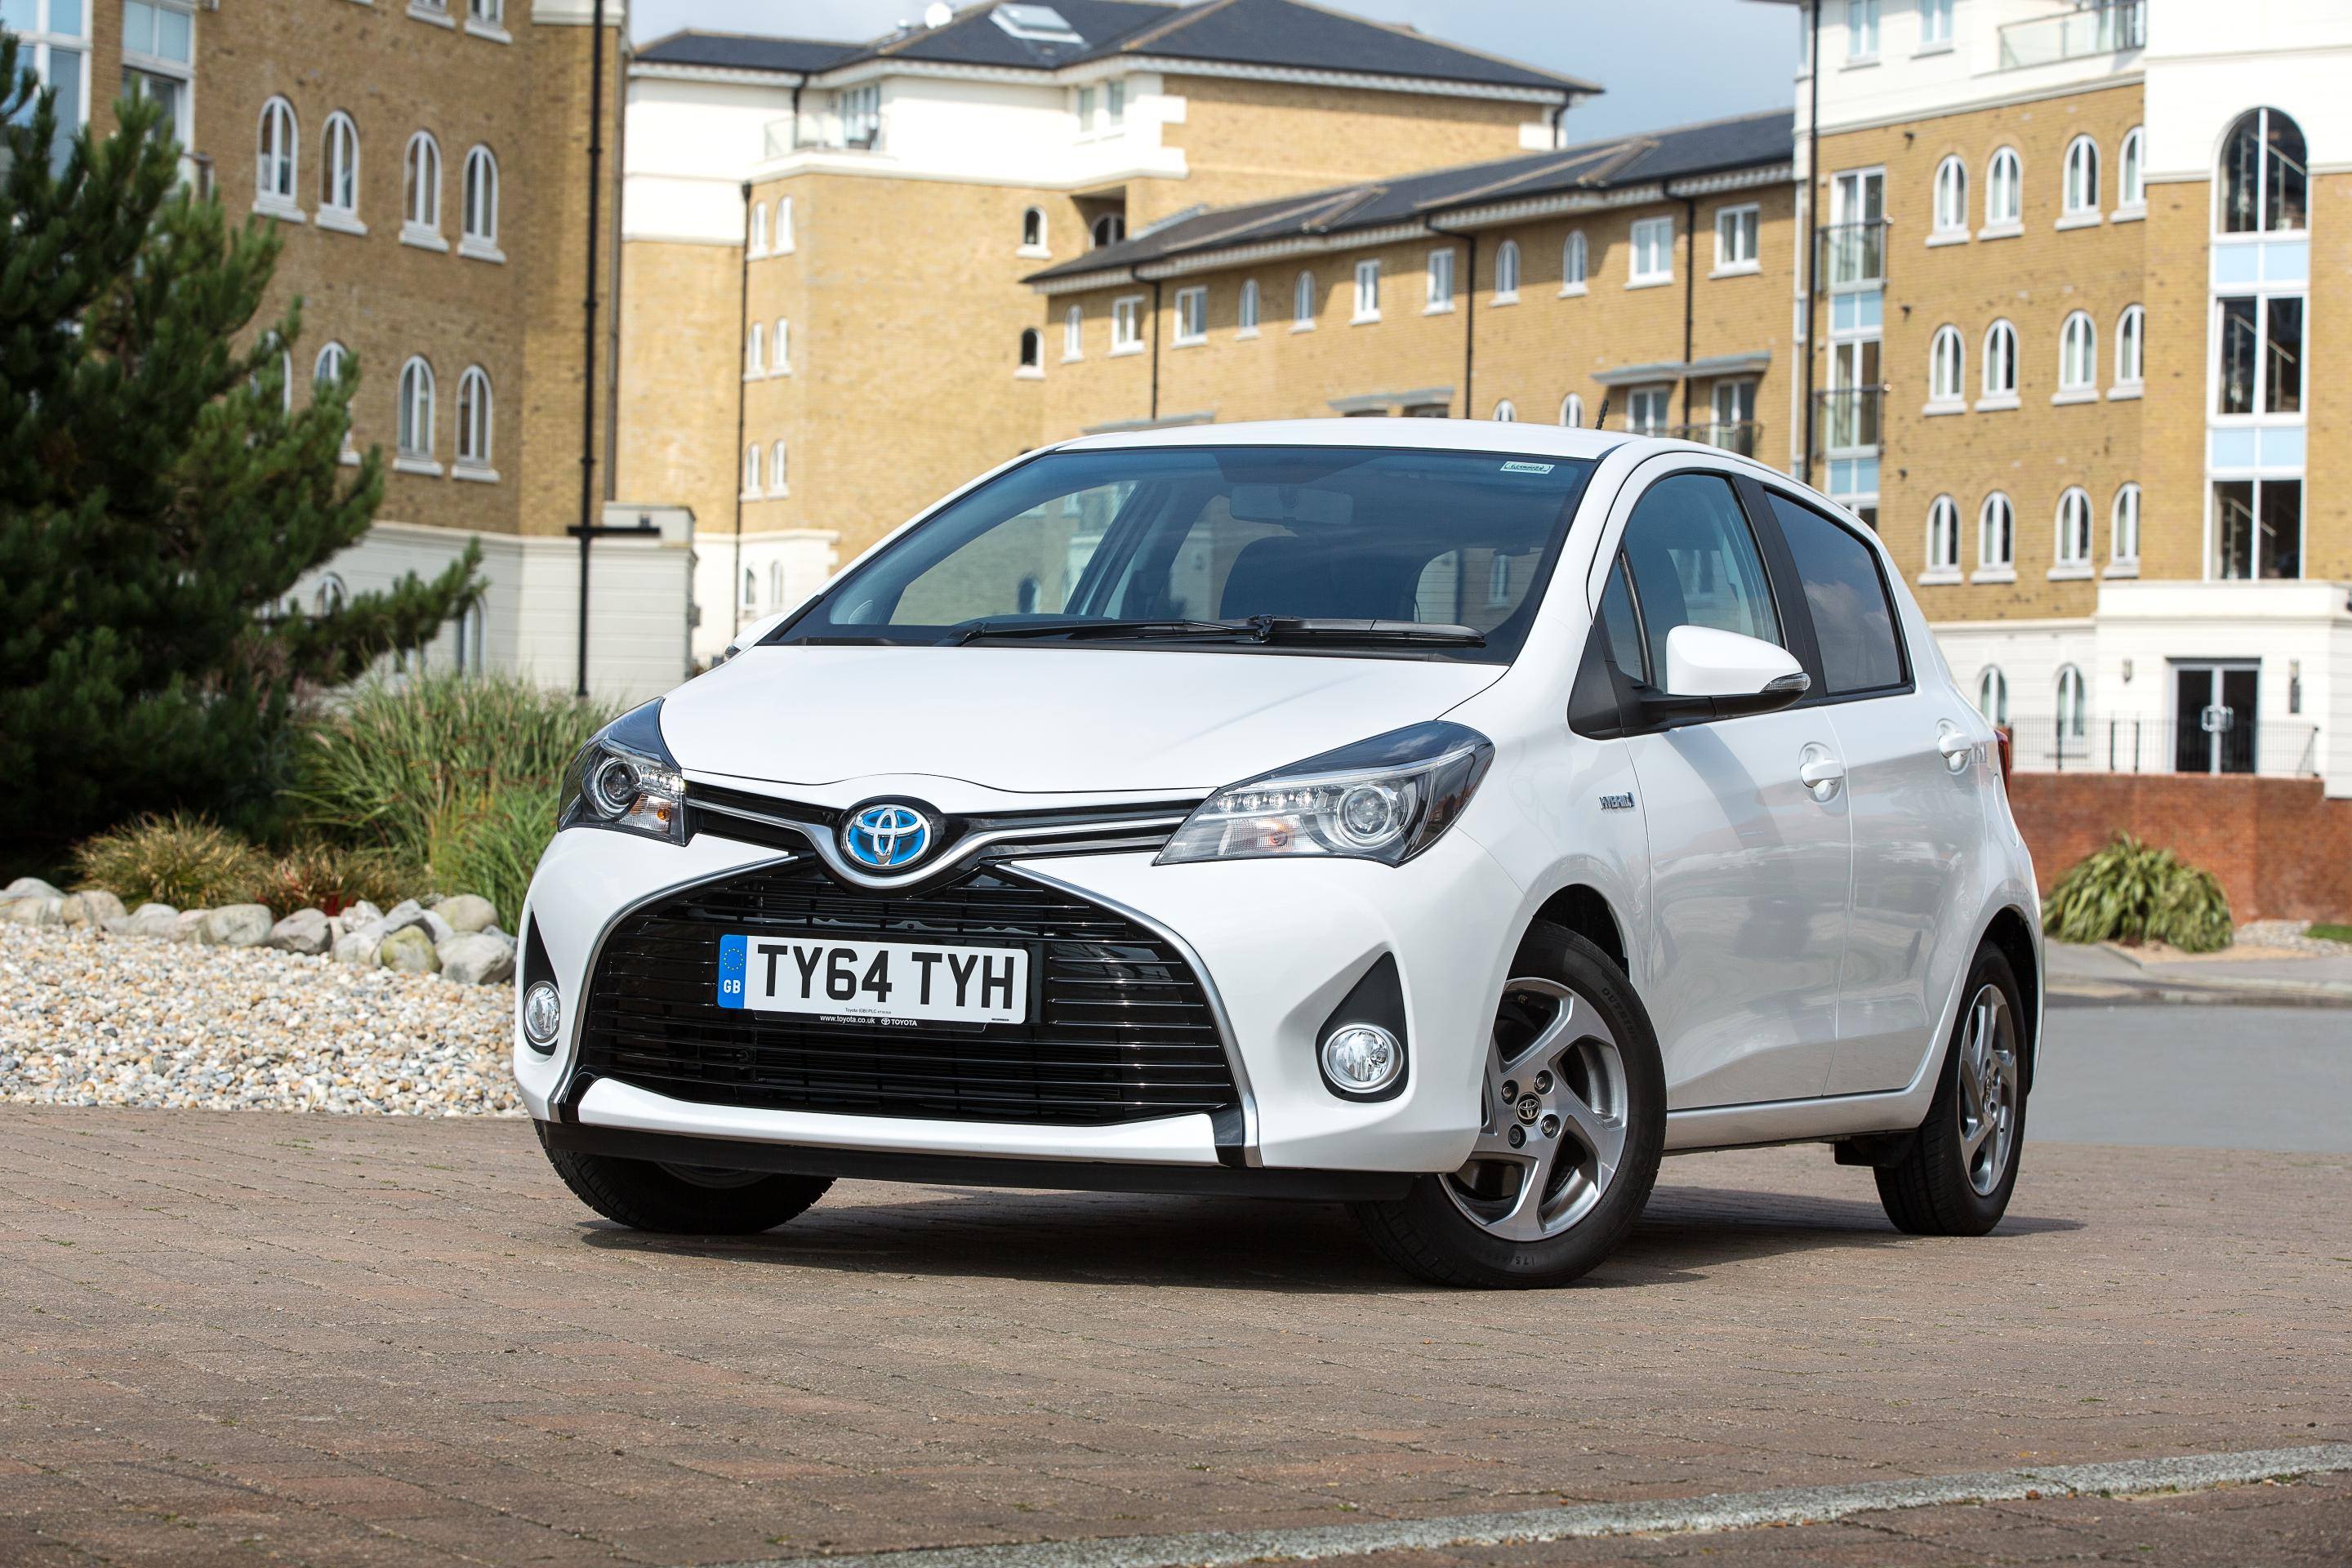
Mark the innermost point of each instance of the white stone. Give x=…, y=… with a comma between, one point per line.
x=153, y=920
x=34, y=911
x=477, y=959
x=29, y=888
x=304, y=931
x=93, y=905
x=358, y=947
x=466, y=913
x=235, y=925
x=185, y=924
x=408, y=950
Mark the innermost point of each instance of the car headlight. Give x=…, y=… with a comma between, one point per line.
x=626, y=779
x=1385, y=799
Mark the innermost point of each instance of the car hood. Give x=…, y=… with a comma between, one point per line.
x=1057, y=720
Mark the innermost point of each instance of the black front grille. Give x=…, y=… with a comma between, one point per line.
x=1118, y=1029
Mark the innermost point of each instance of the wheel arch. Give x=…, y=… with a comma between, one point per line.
x=2011, y=933
x=1583, y=909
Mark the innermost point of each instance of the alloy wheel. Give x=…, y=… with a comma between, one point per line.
x=1989, y=1089
x=1553, y=1132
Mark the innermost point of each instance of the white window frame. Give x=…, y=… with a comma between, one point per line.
x=1996, y=565
x=1948, y=394
x=1127, y=324
x=2070, y=528
x=2131, y=353
x=780, y=348
x=1505, y=412
x=477, y=415
x=143, y=62
x=413, y=412
x=779, y=483
x=277, y=160
x=755, y=350
x=2123, y=530
x=44, y=47
x=1743, y=226
x=2002, y=220
x=2072, y=721
x=1951, y=202
x=1247, y=311
x=339, y=171
x=1306, y=297
x=782, y=240
x=1188, y=324
x=329, y=365
x=1998, y=351
x=488, y=20
x=1992, y=695
x=2078, y=185
x=1440, y=282
x=1074, y=333
x=752, y=491
x=1571, y=411
x=1037, y=246
x=1507, y=266
x=1656, y=236
x=1575, y=264
x=2078, y=359
x=2131, y=177
x=1935, y=26
x=1862, y=20
x=1029, y=355
x=755, y=240
x=420, y=185
x=1943, y=556
x=1368, y=291
x=1659, y=395
x=478, y=219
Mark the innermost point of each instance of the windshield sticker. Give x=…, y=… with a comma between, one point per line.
x=1526, y=468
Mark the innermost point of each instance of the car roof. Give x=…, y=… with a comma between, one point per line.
x=1433, y=435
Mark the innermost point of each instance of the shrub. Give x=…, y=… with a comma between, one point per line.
x=316, y=874
x=181, y=860
x=491, y=844
x=2132, y=892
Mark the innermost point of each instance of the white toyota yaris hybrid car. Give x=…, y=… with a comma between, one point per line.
x=1446, y=818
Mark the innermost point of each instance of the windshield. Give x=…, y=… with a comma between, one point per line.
x=1353, y=549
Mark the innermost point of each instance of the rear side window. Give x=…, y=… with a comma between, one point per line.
x=1852, y=618
x=1695, y=563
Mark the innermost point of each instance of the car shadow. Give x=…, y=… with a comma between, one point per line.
x=1117, y=1238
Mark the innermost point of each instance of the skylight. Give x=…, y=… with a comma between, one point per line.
x=1038, y=23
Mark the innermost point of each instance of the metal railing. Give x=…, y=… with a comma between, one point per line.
x=1850, y=256
x=2102, y=28
x=1732, y=434
x=1848, y=419
x=2050, y=745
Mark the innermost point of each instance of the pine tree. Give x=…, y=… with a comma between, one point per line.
x=161, y=491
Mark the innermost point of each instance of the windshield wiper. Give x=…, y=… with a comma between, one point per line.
x=1314, y=628
x=975, y=631
x=1255, y=628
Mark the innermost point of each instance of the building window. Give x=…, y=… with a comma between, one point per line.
x=1571, y=411
x=784, y=239
x=2131, y=179
x=1944, y=537
x=1033, y=352
x=331, y=598
x=2258, y=528
x=1192, y=321
x=2004, y=190
x=1246, y=326
x=1440, y=277
x=2073, y=531
x=2122, y=527
x=279, y=154
x=1947, y=368
x=328, y=368
x=1996, y=535
x=1735, y=238
x=474, y=418
x=1085, y=111
x=755, y=351
x=2078, y=354
x=415, y=428
x=1127, y=324
x=1653, y=251
x=751, y=492
x=2081, y=182
x=422, y=213
x=1367, y=290
x=56, y=35
x=1993, y=696
x=1951, y=197
x=2000, y=364
x=2073, y=705
x=1934, y=25
x=339, y=189
x=1645, y=409
x=1115, y=104
x=1505, y=412
x=480, y=234
x=1302, y=303
x=1861, y=31
x=2261, y=354
x=2264, y=186
x=158, y=56
x=1572, y=264
x=776, y=571
x=1074, y=333
x=2131, y=355
x=858, y=112
x=1032, y=230
x=1506, y=273
x=490, y=13
x=779, y=483
x=781, y=361
x=1108, y=229
x=757, y=239
x=749, y=590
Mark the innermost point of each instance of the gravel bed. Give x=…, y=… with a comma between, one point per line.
x=2288, y=935
x=91, y=1019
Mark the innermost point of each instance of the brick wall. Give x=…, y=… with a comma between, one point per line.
x=2280, y=849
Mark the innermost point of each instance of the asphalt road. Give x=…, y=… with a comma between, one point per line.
x=2156, y=1075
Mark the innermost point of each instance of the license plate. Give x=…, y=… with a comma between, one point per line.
x=874, y=981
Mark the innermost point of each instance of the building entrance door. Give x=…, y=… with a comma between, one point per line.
x=2213, y=717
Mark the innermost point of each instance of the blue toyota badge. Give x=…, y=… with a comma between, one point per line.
x=889, y=837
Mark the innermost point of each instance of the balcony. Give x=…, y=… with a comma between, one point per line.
x=2104, y=28
x=2047, y=746
x=1847, y=421
x=1850, y=256
x=1738, y=436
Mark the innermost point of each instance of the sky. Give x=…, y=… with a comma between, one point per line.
x=1665, y=62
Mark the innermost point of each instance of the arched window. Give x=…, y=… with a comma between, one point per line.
x=2131, y=355
x=2075, y=528
x=757, y=240
x=2074, y=704
x=2000, y=360
x=749, y=590
x=489, y=13
x=1302, y=303
x=1504, y=413
x=1946, y=367
x=2004, y=189
x=1074, y=332
x=1246, y=321
x=1032, y=349
x=2081, y=184
x=776, y=575
x=778, y=478
x=1996, y=535
x=1992, y=695
x=1108, y=229
x=278, y=152
x=782, y=362
x=473, y=633
x=2122, y=527
x=1951, y=197
x=1033, y=228
x=1944, y=535
x=755, y=351
x=1571, y=411
x=474, y=418
x=328, y=368
x=785, y=240
x=339, y=187
x=751, y=492
x=2264, y=186
x=1571, y=264
x=415, y=428
x=481, y=214
x=1507, y=272
x=331, y=596
x=424, y=175
x=2078, y=354
x=2131, y=175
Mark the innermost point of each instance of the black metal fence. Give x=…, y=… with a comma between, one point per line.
x=2163, y=746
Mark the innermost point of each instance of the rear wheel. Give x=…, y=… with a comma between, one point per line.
x=1573, y=1125
x=683, y=1200
x=1956, y=1176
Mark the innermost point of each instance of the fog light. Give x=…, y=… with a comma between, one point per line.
x=1361, y=1058
x=542, y=1015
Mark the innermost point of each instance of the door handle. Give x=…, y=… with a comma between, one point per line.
x=1822, y=775
x=1958, y=749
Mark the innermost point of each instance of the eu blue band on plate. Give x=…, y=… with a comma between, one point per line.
x=732, y=951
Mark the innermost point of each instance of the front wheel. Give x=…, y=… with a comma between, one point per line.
x=1574, y=1124
x=1955, y=1177
x=683, y=1200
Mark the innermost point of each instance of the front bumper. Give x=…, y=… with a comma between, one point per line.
x=1277, y=944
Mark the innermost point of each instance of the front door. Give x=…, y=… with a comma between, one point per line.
x=2213, y=717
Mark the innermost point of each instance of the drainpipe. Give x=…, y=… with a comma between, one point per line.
x=1469, y=313
x=742, y=319
x=1813, y=230
x=1690, y=289
x=1155, y=350
x=588, y=335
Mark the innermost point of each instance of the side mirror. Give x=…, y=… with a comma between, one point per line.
x=750, y=635
x=1713, y=674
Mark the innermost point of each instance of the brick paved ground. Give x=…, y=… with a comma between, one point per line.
x=243, y=1337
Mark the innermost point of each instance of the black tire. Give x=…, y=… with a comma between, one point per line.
x=1928, y=1191
x=1428, y=1235
x=647, y=1196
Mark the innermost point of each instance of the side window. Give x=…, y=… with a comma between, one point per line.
x=1694, y=563
x=1852, y=618
x=1620, y=626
